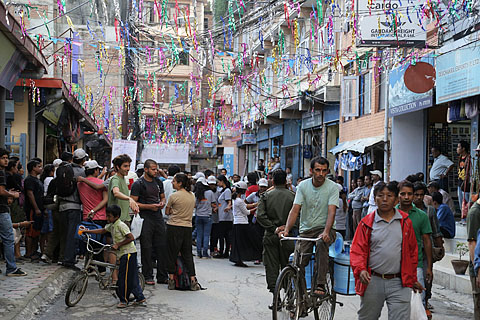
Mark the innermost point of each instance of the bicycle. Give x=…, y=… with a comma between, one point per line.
x=77, y=288
x=291, y=298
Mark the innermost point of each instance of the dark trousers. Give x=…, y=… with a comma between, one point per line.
x=56, y=238
x=476, y=298
x=153, y=239
x=304, y=250
x=445, y=233
x=214, y=237
x=128, y=282
x=275, y=257
x=71, y=219
x=224, y=235
x=179, y=240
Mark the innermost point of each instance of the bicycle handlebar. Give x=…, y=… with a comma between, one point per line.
x=90, y=248
x=301, y=238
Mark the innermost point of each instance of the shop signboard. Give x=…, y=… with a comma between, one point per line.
x=228, y=159
x=457, y=74
x=249, y=138
x=401, y=99
x=276, y=130
x=376, y=27
x=125, y=147
x=311, y=120
x=262, y=134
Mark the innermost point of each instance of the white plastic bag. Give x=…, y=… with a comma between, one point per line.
x=136, y=226
x=417, y=311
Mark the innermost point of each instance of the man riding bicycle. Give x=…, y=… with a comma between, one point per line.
x=316, y=201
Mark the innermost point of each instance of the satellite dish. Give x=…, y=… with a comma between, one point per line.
x=420, y=78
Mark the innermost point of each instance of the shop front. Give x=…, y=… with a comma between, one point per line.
x=358, y=157
x=290, y=149
x=263, y=145
x=312, y=137
x=276, y=139
x=408, y=101
x=455, y=118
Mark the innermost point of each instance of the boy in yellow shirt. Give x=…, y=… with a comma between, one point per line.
x=128, y=281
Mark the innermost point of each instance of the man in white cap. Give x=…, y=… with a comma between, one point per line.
x=70, y=207
x=376, y=178
x=94, y=201
x=198, y=175
x=253, y=198
x=140, y=169
x=56, y=164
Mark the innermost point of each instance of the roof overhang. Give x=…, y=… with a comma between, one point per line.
x=37, y=63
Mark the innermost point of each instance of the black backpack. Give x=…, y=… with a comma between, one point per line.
x=181, y=277
x=65, y=182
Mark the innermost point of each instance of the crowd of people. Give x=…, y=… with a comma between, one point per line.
x=228, y=217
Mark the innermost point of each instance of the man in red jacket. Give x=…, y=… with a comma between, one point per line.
x=384, y=258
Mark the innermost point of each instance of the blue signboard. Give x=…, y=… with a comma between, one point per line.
x=400, y=99
x=276, y=130
x=262, y=134
x=457, y=74
x=249, y=138
x=228, y=163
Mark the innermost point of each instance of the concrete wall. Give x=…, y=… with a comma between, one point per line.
x=408, y=145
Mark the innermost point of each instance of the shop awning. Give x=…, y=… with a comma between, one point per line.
x=358, y=145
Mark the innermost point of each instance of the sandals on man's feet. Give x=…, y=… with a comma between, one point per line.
x=122, y=305
x=320, y=292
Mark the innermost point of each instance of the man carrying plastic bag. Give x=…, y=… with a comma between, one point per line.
x=384, y=258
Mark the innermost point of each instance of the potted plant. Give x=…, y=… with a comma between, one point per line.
x=460, y=266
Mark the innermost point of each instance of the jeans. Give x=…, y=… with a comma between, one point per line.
x=462, y=195
x=204, y=226
x=71, y=219
x=421, y=279
x=476, y=298
x=8, y=240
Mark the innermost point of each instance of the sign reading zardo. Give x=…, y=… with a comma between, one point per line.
x=393, y=23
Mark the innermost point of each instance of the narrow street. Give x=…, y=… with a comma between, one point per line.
x=232, y=293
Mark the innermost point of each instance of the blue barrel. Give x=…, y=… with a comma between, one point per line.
x=344, y=282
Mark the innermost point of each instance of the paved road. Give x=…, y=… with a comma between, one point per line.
x=232, y=293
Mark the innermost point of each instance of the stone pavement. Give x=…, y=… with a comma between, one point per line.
x=22, y=297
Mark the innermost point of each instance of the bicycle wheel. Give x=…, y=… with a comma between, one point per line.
x=285, y=297
x=141, y=280
x=326, y=306
x=76, y=290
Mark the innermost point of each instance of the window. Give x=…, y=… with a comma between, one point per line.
x=150, y=53
x=148, y=14
x=205, y=24
x=349, y=96
x=184, y=58
x=177, y=92
x=365, y=85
